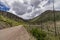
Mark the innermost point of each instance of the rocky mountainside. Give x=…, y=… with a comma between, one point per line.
x=46, y=16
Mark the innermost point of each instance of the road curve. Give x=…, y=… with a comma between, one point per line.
x=14, y=33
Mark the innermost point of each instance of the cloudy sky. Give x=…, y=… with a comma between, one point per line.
x=28, y=9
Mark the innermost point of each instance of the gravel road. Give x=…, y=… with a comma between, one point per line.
x=14, y=33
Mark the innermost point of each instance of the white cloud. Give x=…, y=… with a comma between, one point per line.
x=31, y=8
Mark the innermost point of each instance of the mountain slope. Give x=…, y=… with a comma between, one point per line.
x=8, y=20
x=47, y=16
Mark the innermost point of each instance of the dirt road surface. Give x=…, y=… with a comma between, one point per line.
x=14, y=33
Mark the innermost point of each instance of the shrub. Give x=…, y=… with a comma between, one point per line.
x=37, y=33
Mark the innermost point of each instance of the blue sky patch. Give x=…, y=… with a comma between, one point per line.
x=3, y=7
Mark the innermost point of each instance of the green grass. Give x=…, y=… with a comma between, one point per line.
x=9, y=22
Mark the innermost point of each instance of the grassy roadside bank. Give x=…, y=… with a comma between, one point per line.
x=6, y=22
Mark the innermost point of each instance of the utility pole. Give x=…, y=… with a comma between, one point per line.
x=54, y=18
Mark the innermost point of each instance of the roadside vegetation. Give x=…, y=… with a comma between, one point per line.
x=38, y=34
x=46, y=20
x=6, y=22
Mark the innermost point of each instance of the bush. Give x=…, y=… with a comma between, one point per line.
x=37, y=33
